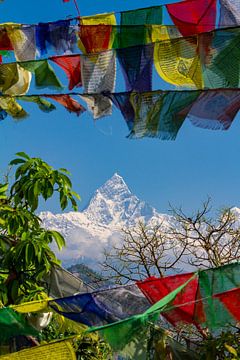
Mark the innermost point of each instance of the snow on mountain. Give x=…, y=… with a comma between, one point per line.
x=112, y=207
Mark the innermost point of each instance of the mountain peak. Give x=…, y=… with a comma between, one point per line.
x=113, y=203
x=114, y=187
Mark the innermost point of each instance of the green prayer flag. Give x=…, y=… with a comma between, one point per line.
x=221, y=58
x=43, y=104
x=160, y=113
x=212, y=282
x=138, y=17
x=44, y=73
x=13, y=324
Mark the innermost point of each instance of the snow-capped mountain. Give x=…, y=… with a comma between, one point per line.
x=112, y=207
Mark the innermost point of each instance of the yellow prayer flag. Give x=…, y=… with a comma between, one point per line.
x=157, y=33
x=104, y=19
x=21, y=87
x=10, y=105
x=33, y=306
x=177, y=60
x=61, y=350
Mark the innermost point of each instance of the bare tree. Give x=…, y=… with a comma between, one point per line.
x=145, y=251
x=209, y=241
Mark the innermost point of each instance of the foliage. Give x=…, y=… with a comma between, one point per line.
x=222, y=347
x=88, y=346
x=25, y=253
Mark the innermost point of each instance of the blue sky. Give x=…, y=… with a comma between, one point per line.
x=182, y=172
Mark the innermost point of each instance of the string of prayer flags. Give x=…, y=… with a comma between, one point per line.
x=44, y=73
x=58, y=350
x=13, y=324
x=9, y=105
x=201, y=61
x=229, y=13
x=72, y=67
x=68, y=102
x=121, y=333
x=157, y=113
x=193, y=16
x=202, y=303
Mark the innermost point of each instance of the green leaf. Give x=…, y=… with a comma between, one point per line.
x=65, y=171
x=3, y=188
x=23, y=154
x=231, y=350
x=76, y=195
x=59, y=239
x=63, y=200
x=14, y=289
x=17, y=161
x=66, y=180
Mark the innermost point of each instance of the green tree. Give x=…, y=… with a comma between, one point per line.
x=25, y=253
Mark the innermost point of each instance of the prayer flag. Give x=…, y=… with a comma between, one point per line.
x=72, y=67
x=193, y=16
x=68, y=102
x=44, y=73
x=229, y=13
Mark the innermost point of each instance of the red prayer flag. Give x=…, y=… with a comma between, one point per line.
x=95, y=38
x=231, y=299
x=193, y=16
x=5, y=42
x=72, y=67
x=155, y=289
x=68, y=102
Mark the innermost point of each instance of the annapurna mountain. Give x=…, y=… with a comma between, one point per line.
x=112, y=207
